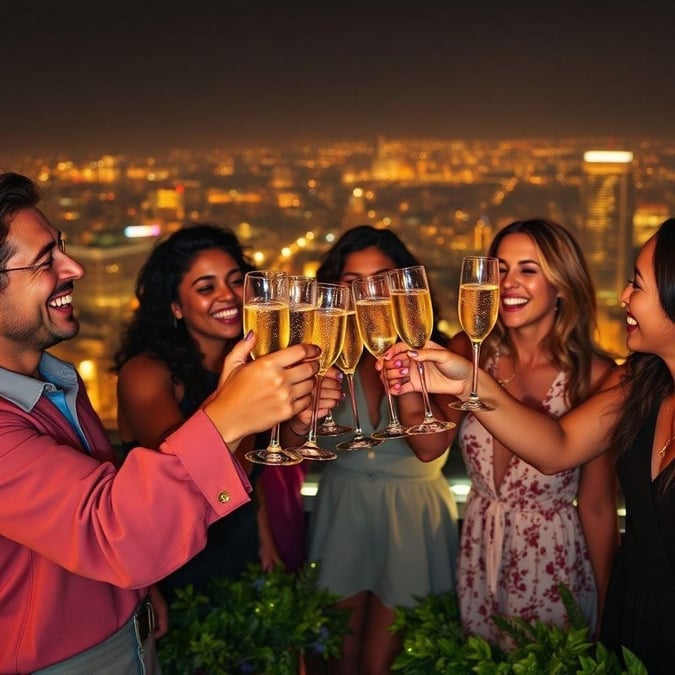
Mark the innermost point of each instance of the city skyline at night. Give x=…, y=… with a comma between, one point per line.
x=143, y=77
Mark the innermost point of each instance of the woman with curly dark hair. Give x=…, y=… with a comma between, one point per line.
x=189, y=316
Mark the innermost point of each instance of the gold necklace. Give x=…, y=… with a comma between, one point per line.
x=666, y=445
x=503, y=383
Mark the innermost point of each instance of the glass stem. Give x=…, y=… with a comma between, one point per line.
x=428, y=416
x=315, y=411
x=393, y=417
x=274, y=445
x=355, y=410
x=475, y=347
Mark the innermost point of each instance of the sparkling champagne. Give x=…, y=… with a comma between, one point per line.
x=376, y=324
x=270, y=322
x=329, y=334
x=302, y=323
x=478, y=309
x=353, y=346
x=413, y=316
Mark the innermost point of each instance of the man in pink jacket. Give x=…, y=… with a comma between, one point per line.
x=80, y=541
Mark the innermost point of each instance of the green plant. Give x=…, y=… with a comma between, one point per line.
x=433, y=643
x=262, y=622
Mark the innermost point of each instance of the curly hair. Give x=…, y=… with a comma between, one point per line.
x=647, y=380
x=152, y=329
x=365, y=236
x=572, y=341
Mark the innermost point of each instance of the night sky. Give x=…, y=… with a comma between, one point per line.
x=97, y=76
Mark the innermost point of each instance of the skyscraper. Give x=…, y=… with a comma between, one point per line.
x=606, y=230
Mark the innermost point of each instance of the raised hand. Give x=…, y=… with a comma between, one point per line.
x=331, y=395
x=253, y=396
x=446, y=372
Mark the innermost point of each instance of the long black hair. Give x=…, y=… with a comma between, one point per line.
x=647, y=380
x=365, y=236
x=153, y=329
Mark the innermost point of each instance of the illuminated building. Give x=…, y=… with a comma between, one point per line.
x=606, y=228
x=646, y=221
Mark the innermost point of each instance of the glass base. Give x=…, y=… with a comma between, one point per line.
x=315, y=453
x=359, y=443
x=391, y=431
x=333, y=429
x=274, y=457
x=472, y=404
x=432, y=427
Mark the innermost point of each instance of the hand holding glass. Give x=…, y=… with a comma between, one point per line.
x=266, y=314
x=478, y=307
x=414, y=321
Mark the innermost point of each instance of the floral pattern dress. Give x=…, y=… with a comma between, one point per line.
x=519, y=542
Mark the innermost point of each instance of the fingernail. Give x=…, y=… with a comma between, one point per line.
x=413, y=353
x=340, y=375
x=249, y=336
x=398, y=363
x=404, y=371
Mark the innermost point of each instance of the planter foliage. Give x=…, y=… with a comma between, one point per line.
x=433, y=643
x=263, y=622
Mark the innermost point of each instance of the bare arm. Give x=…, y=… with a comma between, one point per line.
x=549, y=445
x=596, y=503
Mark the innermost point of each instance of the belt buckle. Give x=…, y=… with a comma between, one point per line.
x=144, y=621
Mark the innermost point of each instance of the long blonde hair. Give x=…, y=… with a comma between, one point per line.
x=573, y=340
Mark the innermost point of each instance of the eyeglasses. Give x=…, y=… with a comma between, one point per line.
x=47, y=263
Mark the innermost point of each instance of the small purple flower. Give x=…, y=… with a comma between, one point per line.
x=259, y=583
x=246, y=667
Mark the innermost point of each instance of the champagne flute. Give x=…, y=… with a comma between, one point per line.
x=374, y=317
x=478, y=307
x=347, y=362
x=330, y=320
x=329, y=427
x=266, y=314
x=414, y=321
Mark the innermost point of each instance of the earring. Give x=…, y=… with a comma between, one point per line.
x=175, y=321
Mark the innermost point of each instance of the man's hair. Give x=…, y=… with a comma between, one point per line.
x=16, y=192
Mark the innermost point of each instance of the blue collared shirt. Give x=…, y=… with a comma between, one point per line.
x=59, y=386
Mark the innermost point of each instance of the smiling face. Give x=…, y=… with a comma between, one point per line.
x=648, y=327
x=210, y=298
x=36, y=310
x=527, y=297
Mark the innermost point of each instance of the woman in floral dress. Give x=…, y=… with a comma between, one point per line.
x=524, y=533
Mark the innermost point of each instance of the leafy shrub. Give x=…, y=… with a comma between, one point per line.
x=262, y=622
x=433, y=643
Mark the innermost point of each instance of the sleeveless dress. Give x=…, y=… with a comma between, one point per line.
x=640, y=606
x=521, y=541
x=232, y=542
x=383, y=521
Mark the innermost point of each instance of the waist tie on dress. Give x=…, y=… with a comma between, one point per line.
x=495, y=522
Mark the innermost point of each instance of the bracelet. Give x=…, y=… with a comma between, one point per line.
x=290, y=426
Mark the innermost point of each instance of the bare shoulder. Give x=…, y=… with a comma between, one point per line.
x=602, y=371
x=144, y=375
